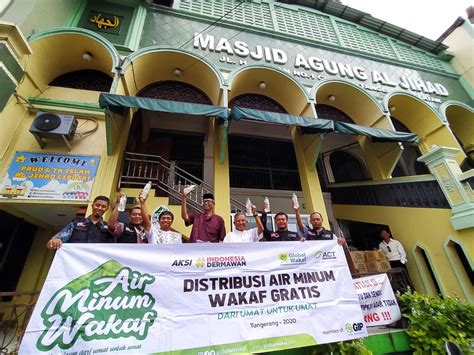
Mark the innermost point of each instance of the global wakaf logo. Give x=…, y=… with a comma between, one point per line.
x=292, y=258
x=109, y=302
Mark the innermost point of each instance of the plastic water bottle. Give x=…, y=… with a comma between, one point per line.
x=146, y=190
x=248, y=206
x=266, y=205
x=296, y=204
x=122, y=203
x=188, y=189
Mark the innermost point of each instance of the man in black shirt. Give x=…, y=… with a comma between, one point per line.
x=139, y=228
x=318, y=232
x=282, y=233
x=92, y=229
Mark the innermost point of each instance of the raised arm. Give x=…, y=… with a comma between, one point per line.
x=145, y=216
x=258, y=221
x=298, y=220
x=266, y=232
x=184, y=208
x=115, y=213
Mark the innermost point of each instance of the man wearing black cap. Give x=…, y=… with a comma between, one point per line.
x=207, y=226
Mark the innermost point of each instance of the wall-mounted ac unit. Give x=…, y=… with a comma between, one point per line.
x=53, y=126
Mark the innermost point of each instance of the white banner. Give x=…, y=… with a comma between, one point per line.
x=194, y=298
x=377, y=300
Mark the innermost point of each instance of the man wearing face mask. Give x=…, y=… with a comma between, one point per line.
x=139, y=228
x=240, y=234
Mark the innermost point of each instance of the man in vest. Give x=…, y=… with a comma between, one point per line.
x=92, y=229
x=317, y=232
x=282, y=234
x=138, y=230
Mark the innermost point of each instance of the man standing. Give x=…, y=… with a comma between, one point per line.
x=92, y=229
x=139, y=228
x=207, y=226
x=393, y=249
x=282, y=233
x=240, y=235
x=318, y=232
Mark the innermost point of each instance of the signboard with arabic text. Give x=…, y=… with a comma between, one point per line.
x=42, y=176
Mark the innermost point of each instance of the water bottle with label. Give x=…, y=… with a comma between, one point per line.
x=146, y=190
x=248, y=207
x=122, y=203
x=296, y=204
x=266, y=205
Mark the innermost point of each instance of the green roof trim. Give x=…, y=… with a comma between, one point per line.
x=317, y=125
x=117, y=103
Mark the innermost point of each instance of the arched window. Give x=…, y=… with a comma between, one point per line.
x=328, y=112
x=92, y=80
x=407, y=165
x=427, y=273
x=345, y=167
x=175, y=91
x=257, y=102
x=259, y=162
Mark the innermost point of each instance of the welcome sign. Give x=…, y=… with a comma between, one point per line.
x=194, y=298
x=44, y=176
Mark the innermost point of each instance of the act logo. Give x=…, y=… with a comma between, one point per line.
x=325, y=255
x=109, y=302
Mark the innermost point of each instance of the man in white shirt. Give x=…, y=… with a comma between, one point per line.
x=393, y=249
x=162, y=234
x=240, y=235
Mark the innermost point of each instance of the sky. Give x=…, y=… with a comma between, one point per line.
x=429, y=18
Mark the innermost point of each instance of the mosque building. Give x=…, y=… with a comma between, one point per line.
x=367, y=122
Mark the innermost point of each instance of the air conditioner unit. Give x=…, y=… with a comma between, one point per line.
x=53, y=126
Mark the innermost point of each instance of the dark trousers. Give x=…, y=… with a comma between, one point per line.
x=397, y=263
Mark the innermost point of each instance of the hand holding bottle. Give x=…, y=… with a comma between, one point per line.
x=146, y=190
x=294, y=199
x=122, y=201
x=187, y=190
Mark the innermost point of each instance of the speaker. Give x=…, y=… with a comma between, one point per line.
x=53, y=126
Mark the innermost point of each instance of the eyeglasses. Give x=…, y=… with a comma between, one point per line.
x=207, y=201
x=389, y=250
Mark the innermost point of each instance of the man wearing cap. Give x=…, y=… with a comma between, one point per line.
x=207, y=226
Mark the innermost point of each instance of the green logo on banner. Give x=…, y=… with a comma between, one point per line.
x=109, y=302
x=200, y=262
x=283, y=258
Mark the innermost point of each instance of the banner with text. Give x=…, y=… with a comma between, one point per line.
x=377, y=300
x=194, y=298
x=43, y=176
